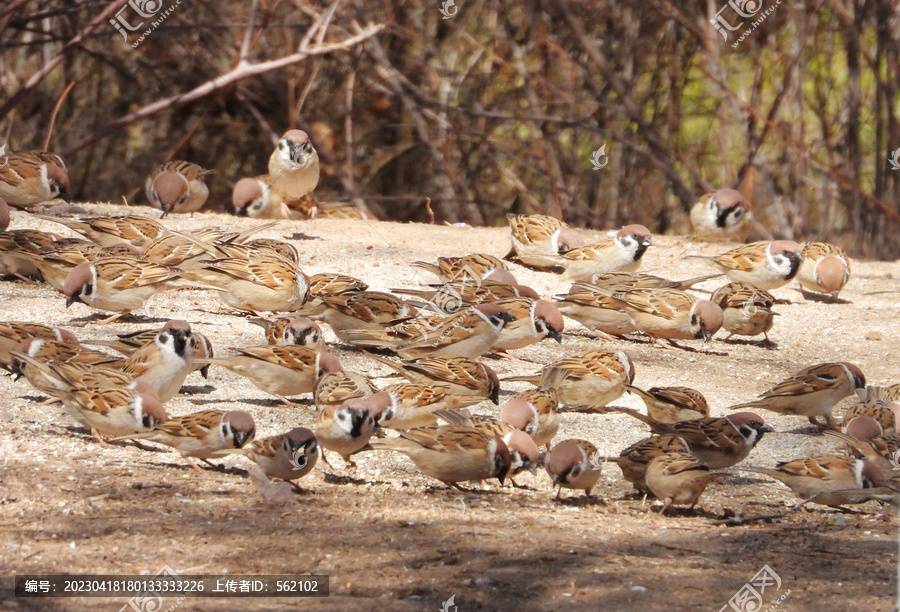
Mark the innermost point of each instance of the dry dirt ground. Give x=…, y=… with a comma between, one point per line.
x=391, y=539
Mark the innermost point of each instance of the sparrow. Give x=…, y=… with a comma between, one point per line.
x=56, y=377
x=523, y=452
x=811, y=392
x=595, y=309
x=335, y=388
x=19, y=249
x=451, y=296
x=325, y=284
x=672, y=404
x=469, y=333
x=475, y=267
x=108, y=402
x=538, y=239
x=409, y=405
x=109, y=231
x=670, y=313
x=62, y=351
x=117, y=284
x=451, y=453
x=177, y=186
x=719, y=442
x=12, y=333
x=164, y=363
x=287, y=456
x=128, y=344
x=746, y=310
x=396, y=335
x=866, y=440
x=593, y=379
x=4, y=214
x=345, y=429
x=202, y=435
x=621, y=253
x=33, y=177
x=819, y=479
x=765, y=265
x=871, y=405
x=535, y=412
x=56, y=260
x=279, y=370
x=267, y=282
x=574, y=464
x=176, y=249
x=253, y=197
x=114, y=411
x=634, y=459
x=534, y=320
x=294, y=166
x=825, y=268
x=639, y=280
x=721, y=215
x=297, y=330
x=363, y=310
x=679, y=479
x=460, y=375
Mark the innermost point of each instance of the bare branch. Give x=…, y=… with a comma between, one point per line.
x=240, y=72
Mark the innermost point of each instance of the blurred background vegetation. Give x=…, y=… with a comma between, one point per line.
x=497, y=109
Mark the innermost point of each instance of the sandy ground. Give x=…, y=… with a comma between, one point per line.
x=392, y=539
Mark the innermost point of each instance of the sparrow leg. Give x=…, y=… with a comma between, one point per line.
x=666, y=504
x=115, y=317
x=194, y=465
x=325, y=459
x=285, y=400
x=218, y=468
x=99, y=438
x=149, y=449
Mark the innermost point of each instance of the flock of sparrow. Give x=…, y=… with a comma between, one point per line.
x=439, y=332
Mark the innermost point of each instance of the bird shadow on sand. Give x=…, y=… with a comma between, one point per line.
x=197, y=389
x=766, y=344
x=336, y=479
x=254, y=401
x=128, y=318
x=823, y=298
x=302, y=236
x=580, y=501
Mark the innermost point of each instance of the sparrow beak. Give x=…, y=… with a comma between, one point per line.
x=72, y=299
x=64, y=195
x=296, y=151
x=166, y=210
x=241, y=438
x=706, y=335
x=765, y=429
x=552, y=333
